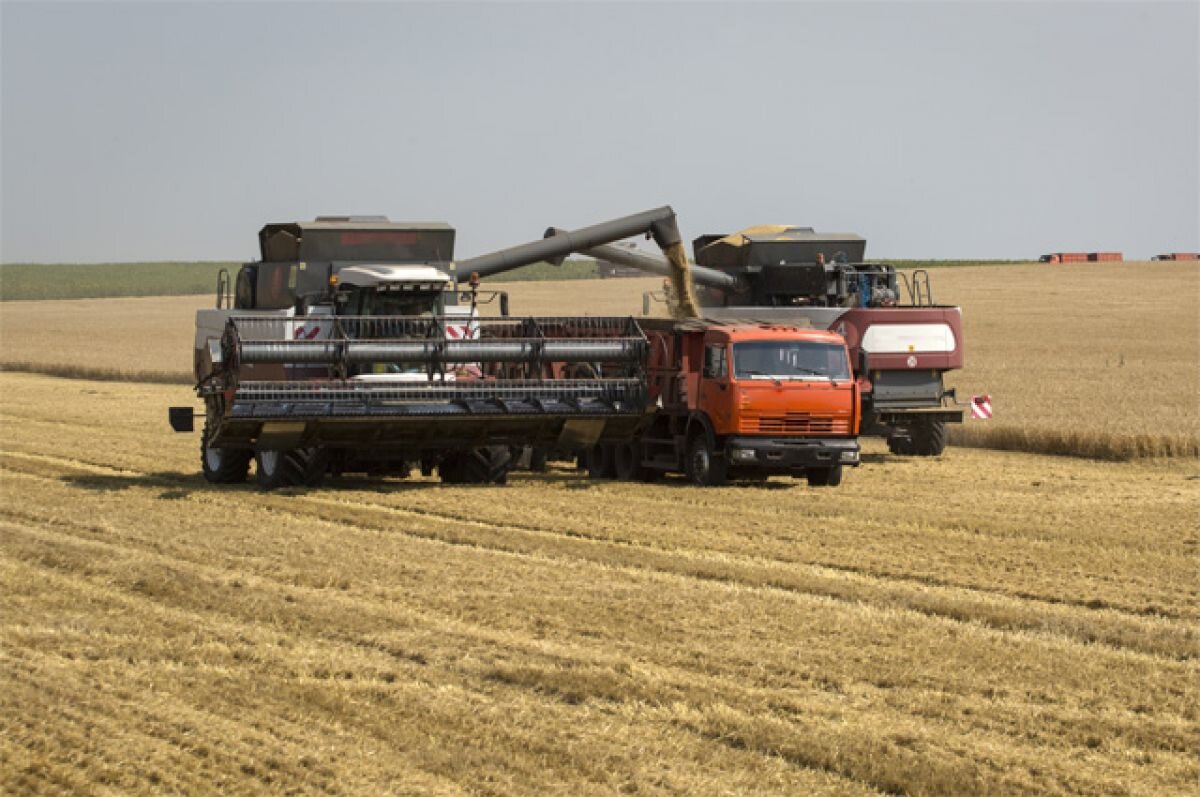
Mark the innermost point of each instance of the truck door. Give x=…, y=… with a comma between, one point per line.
x=715, y=396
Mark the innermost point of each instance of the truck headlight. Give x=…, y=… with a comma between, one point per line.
x=849, y=456
x=743, y=455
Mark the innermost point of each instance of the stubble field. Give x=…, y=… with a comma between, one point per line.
x=984, y=622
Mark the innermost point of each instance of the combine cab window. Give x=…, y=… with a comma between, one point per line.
x=410, y=303
x=789, y=360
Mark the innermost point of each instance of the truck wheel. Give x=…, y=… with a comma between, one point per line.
x=600, y=462
x=929, y=438
x=704, y=467
x=299, y=467
x=824, y=477
x=223, y=465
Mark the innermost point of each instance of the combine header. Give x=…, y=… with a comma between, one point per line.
x=347, y=350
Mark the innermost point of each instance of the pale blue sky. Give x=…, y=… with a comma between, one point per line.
x=174, y=131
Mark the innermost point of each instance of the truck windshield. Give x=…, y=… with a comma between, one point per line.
x=778, y=359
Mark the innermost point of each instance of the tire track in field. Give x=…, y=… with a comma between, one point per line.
x=990, y=612
x=467, y=675
x=882, y=719
x=1124, y=632
x=828, y=588
x=849, y=570
x=873, y=575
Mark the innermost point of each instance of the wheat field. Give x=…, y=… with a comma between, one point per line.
x=984, y=623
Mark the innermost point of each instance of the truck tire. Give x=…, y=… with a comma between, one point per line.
x=299, y=467
x=824, y=477
x=600, y=462
x=223, y=465
x=703, y=465
x=929, y=438
x=484, y=465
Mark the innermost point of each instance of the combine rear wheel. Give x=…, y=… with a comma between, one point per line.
x=919, y=439
x=223, y=465
x=299, y=467
x=929, y=438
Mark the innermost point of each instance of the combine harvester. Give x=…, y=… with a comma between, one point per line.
x=346, y=350
x=782, y=274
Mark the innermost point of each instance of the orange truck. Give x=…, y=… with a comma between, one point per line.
x=743, y=399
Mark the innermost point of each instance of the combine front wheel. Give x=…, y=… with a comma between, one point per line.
x=486, y=465
x=223, y=465
x=299, y=467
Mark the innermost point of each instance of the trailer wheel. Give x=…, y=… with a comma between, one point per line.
x=824, y=477
x=299, y=467
x=223, y=465
x=704, y=467
x=601, y=462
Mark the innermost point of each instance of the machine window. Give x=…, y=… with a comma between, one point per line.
x=715, y=362
x=789, y=360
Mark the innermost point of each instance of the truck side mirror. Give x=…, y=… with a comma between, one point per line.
x=864, y=362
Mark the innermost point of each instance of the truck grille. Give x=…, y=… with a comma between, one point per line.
x=796, y=423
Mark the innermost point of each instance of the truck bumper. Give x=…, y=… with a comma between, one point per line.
x=784, y=454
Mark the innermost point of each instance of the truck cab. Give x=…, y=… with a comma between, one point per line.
x=747, y=400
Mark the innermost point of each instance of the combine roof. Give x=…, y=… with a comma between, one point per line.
x=358, y=238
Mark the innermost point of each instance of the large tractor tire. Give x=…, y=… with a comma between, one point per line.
x=299, y=467
x=824, y=477
x=704, y=466
x=486, y=465
x=223, y=465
